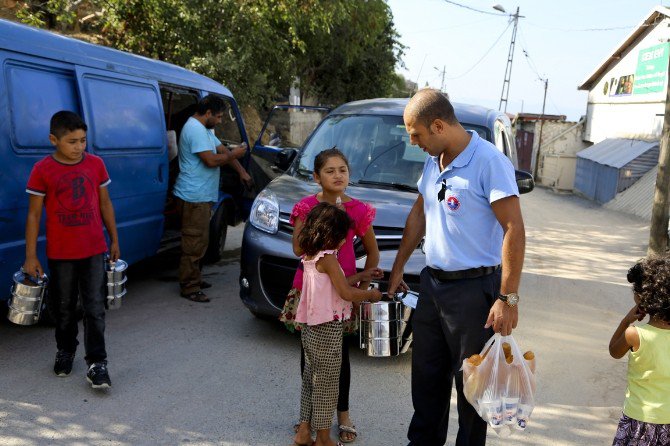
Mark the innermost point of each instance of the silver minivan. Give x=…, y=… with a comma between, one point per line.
x=384, y=169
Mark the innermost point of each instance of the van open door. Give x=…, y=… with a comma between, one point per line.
x=285, y=131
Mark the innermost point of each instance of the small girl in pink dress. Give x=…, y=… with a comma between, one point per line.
x=325, y=303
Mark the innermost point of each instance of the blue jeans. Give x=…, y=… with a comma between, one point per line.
x=83, y=279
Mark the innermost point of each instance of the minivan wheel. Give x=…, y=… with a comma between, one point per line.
x=218, y=230
x=262, y=316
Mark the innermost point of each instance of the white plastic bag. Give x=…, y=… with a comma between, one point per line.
x=499, y=382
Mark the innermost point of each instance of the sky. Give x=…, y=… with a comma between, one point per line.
x=561, y=41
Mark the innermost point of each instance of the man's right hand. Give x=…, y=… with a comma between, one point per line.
x=396, y=284
x=32, y=267
x=240, y=150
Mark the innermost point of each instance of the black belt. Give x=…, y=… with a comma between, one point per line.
x=471, y=273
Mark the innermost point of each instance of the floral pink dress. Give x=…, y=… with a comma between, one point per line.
x=362, y=214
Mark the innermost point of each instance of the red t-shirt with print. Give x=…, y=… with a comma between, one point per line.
x=72, y=200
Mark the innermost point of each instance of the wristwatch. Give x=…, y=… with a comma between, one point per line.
x=511, y=299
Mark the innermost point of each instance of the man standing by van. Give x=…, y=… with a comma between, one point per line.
x=468, y=208
x=201, y=154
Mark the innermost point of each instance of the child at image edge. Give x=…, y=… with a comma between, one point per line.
x=325, y=303
x=72, y=185
x=646, y=412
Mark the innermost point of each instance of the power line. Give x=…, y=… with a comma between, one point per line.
x=471, y=8
x=450, y=27
x=529, y=60
x=614, y=28
x=533, y=67
x=485, y=54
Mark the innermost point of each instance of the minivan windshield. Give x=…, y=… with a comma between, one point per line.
x=377, y=147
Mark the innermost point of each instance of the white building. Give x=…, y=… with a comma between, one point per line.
x=627, y=91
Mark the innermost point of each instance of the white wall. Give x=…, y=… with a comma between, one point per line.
x=637, y=113
x=560, y=143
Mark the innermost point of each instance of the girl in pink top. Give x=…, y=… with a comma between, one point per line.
x=331, y=172
x=324, y=305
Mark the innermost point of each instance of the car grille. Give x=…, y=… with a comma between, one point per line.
x=277, y=272
x=388, y=239
x=284, y=225
x=276, y=275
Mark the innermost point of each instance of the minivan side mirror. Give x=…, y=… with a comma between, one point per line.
x=285, y=158
x=524, y=181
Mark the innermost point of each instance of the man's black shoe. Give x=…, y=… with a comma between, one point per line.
x=63, y=364
x=98, y=376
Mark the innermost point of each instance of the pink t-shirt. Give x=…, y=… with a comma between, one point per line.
x=362, y=215
x=319, y=301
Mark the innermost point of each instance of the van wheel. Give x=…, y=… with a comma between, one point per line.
x=218, y=230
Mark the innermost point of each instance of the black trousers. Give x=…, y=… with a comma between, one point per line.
x=448, y=325
x=345, y=375
x=83, y=279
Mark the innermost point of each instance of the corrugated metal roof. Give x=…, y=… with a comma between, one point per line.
x=637, y=199
x=616, y=152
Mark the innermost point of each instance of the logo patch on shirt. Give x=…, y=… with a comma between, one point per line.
x=453, y=203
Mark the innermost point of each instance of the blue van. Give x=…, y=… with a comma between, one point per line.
x=135, y=108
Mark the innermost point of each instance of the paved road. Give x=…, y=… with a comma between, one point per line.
x=212, y=374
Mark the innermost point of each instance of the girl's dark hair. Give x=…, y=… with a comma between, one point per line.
x=651, y=281
x=325, y=155
x=325, y=227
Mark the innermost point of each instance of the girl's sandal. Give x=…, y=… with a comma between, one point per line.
x=344, y=429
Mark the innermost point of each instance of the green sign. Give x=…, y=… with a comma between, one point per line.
x=652, y=69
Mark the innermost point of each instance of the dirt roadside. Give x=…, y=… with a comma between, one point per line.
x=574, y=293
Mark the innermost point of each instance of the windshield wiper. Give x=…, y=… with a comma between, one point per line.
x=398, y=186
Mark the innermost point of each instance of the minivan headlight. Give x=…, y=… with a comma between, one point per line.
x=265, y=212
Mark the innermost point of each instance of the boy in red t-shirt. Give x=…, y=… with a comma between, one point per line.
x=72, y=185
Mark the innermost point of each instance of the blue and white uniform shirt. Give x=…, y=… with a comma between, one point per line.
x=462, y=231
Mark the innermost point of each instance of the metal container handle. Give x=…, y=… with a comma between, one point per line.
x=112, y=263
x=40, y=280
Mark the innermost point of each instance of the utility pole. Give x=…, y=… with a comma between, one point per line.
x=443, y=71
x=658, y=232
x=539, y=139
x=510, y=56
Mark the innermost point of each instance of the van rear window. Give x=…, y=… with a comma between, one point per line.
x=123, y=115
x=34, y=96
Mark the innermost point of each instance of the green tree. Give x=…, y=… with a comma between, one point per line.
x=49, y=13
x=355, y=57
x=340, y=50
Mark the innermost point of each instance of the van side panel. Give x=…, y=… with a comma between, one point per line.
x=127, y=129
x=31, y=90
x=117, y=94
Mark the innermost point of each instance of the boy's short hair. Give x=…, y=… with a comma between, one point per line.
x=210, y=102
x=64, y=121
